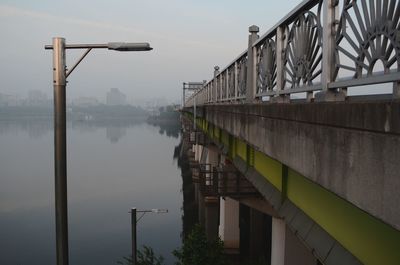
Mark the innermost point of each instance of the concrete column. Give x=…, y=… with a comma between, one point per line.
x=194, y=149
x=196, y=192
x=229, y=224
x=197, y=152
x=259, y=235
x=278, y=241
x=202, y=218
x=211, y=217
x=211, y=202
x=212, y=158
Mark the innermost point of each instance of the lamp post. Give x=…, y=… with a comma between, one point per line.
x=60, y=75
x=134, y=222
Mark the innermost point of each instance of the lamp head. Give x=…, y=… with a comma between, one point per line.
x=129, y=46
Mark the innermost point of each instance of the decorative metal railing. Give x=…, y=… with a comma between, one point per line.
x=321, y=45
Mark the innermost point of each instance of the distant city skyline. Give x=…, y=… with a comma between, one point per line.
x=189, y=38
x=36, y=97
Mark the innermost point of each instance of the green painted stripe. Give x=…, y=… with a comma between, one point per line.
x=370, y=240
x=241, y=149
x=216, y=133
x=269, y=168
x=225, y=138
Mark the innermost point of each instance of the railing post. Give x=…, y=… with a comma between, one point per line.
x=396, y=89
x=330, y=11
x=227, y=84
x=280, y=65
x=216, y=72
x=220, y=87
x=235, y=81
x=183, y=95
x=251, y=65
x=205, y=92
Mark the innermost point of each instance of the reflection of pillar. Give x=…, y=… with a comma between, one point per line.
x=196, y=192
x=229, y=224
x=211, y=217
x=202, y=218
x=278, y=241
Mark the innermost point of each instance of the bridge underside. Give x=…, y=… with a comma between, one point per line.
x=328, y=169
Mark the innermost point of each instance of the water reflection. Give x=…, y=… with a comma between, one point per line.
x=37, y=128
x=113, y=165
x=115, y=133
x=170, y=128
x=189, y=205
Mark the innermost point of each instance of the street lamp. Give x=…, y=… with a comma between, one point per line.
x=60, y=74
x=134, y=222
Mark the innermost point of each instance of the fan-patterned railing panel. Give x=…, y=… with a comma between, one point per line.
x=266, y=71
x=303, y=52
x=326, y=45
x=367, y=41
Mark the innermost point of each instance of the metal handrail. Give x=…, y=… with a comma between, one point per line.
x=325, y=49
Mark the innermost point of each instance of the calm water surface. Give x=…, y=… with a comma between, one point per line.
x=112, y=166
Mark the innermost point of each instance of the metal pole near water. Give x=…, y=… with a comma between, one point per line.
x=60, y=150
x=134, y=238
x=134, y=221
x=60, y=75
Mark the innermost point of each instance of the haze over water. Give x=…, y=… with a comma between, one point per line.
x=111, y=168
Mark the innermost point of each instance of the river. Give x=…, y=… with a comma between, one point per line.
x=112, y=167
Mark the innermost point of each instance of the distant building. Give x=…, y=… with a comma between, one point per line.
x=85, y=102
x=115, y=97
x=9, y=100
x=36, y=98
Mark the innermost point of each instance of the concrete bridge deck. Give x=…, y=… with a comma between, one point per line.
x=328, y=163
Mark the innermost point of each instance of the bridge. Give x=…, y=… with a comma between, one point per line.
x=305, y=126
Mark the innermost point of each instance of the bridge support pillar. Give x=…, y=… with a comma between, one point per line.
x=211, y=217
x=278, y=241
x=202, y=206
x=197, y=152
x=229, y=224
x=212, y=156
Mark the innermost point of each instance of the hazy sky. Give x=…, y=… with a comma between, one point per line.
x=189, y=37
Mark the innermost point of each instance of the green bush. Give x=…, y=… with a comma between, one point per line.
x=197, y=250
x=146, y=256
